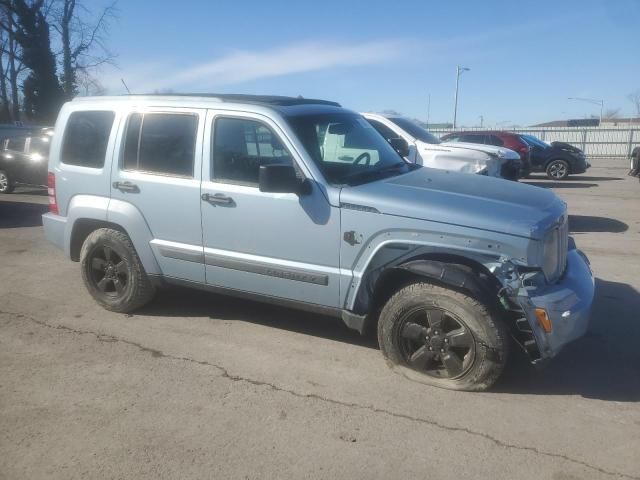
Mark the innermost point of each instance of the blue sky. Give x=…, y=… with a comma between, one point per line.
x=525, y=58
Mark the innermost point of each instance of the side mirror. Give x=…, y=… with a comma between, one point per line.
x=277, y=178
x=400, y=145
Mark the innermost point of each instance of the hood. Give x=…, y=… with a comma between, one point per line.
x=565, y=146
x=500, y=152
x=472, y=201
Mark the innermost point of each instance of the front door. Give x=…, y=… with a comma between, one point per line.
x=275, y=244
x=158, y=172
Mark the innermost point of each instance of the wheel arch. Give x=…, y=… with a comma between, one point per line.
x=564, y=159
x=86, y=217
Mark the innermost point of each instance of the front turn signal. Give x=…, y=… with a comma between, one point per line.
x=544, y=320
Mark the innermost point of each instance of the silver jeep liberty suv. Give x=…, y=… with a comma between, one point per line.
x=303, y=203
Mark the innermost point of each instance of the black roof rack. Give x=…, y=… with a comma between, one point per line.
x=277, y=100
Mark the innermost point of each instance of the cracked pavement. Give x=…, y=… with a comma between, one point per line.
x=198, y=385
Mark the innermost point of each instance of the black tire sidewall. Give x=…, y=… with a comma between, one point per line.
x=491, y=344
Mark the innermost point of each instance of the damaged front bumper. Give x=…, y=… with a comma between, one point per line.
x=567, y=305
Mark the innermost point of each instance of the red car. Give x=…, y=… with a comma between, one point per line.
x=508, y=140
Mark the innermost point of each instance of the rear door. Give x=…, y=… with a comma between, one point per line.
x=158, y=171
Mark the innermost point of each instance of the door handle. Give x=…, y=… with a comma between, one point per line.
x=217, y=199
x=126, y=187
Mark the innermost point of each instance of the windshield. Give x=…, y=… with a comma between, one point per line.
x=531, y=140
x=415, y=130
x=347, y=149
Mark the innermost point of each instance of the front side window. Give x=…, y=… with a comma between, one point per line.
x=161, y=143
x=346, y=148
x=86, y=137
x=415, y=130
x=240, y=147
x=383, y=130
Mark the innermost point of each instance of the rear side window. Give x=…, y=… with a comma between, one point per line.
x=86, y=137
x=471, y=138
x=16, y=144
x=162, y=143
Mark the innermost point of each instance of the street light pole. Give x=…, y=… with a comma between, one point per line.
x=594, y=101
x=459, y=72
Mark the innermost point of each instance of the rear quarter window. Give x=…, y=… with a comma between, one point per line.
x=85, y=138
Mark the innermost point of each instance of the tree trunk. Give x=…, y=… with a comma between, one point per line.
x=13, y=73
x=68, y=72
x=5, y=115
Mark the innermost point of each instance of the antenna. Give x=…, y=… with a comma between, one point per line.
x=125, y=86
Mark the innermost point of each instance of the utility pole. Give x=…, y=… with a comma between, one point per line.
x=481, y=121
x=459, y=71
x=595, y=101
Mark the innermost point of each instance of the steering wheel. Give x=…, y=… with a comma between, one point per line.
x=361, y=157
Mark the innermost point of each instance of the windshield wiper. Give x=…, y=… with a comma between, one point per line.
x=374, y=173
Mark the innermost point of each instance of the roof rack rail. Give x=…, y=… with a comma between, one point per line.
x=277, y=100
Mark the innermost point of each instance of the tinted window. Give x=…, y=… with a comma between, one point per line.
x=16, y=144
x=86, y=137
x=39, y=145
x=415, y=130
x=494, y=140
x=471, y=138
x=239, y=148
x=161, y=143
x=383, y=130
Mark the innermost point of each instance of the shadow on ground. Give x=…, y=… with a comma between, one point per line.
x=604, y=365
x=564, y=184
x=183, y=302
x=587, y=223
x=21, y=214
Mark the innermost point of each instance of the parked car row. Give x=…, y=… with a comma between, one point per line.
x=303, y=203
x=558, y=160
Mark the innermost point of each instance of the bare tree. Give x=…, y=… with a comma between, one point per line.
x=88, y=85
x=634, y=98
x=82, y=36
x=611, y=114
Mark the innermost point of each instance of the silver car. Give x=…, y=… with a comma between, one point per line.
x=240, y=194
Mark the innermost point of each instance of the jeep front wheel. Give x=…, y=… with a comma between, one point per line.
x=112, y=271
x=443, y=338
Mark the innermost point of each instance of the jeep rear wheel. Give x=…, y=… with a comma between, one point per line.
x=442, y=337
x=112, y=271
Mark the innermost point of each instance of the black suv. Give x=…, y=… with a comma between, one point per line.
x=558, y=159
x=24, y=160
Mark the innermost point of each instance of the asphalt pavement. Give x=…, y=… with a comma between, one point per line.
x=202, y=386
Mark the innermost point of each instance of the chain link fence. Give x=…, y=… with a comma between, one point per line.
x=593, y=141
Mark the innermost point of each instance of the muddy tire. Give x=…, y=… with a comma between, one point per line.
x=112, y=271
x=442, y=337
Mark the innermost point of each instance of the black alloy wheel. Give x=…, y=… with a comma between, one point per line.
x=435, y=342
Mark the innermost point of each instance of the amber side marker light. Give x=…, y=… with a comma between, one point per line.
x=544, y=320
